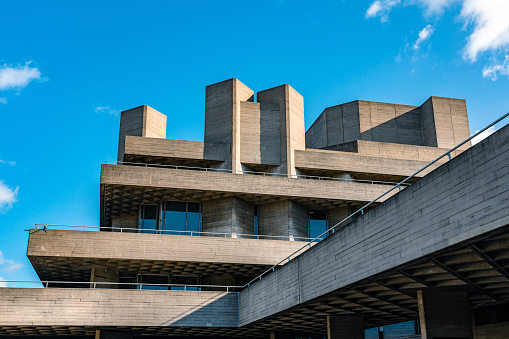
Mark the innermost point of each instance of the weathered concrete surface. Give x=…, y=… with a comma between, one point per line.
x=222, y=116
x=142, y=121
x=228, y=215
x=292, y=130
x=348, y=162
x=140, y=246
x=169, y=148
x=439, y=122
x=109, y=307
x=465, y=198
x=392, y=151
x=245, y=184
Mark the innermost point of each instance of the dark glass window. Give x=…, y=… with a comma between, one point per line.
x=153, y=279
x=148, y=219
x=317, y=223
x=182, y=218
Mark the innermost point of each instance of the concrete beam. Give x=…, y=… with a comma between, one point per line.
x=139, y=246
x=107, y=307
x=240, y=184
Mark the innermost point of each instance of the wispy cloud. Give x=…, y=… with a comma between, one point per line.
x=107, y=110
x=12, y=163
x=3, y=101
x=424, y=35
x=486, y=20
x=483, y=135
x=17, y=77
x=8, y=196
x=9, y=265
x=498, y=67
x=2, y=282
x=381, y=8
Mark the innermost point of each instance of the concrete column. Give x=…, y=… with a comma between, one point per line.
x=284, y=218
x=222, y=117
x=228, y=215
x=444, y=314
x=292, y=130
x=107, y=334
x=345, y=327
x=143, y=121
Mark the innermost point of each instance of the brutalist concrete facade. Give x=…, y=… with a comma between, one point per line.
x=186, y=226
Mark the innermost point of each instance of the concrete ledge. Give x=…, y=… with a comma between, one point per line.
x=182, y=149
x=240, y=183
x=348, y=162
x=138, y=246
x=107, y=307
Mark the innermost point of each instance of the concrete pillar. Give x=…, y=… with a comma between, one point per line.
x=444, y=314
x=444, y=122
x=292, y=130
x=345, y=327
x=228, y=215
x=222, y=117
x=286, y=219
x=107, y=334
x=143, y=121
x=128, y=222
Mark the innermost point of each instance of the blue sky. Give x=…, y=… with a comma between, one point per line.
x=67, y=68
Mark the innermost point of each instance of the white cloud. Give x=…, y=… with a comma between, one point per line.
x=433, y=7
x=8, y=196
x=424, y=35
x=483, y=135
x=2, y=282
x=3, y=101
x=12, y=163
x=107, y=110
x=490, y=19
x=17, y=77
x=500, y=67
x=382, y=9
x=9, y=265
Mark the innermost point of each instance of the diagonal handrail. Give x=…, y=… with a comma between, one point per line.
x=361, y=210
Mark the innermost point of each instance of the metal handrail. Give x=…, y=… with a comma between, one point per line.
x=225, y=170
x=361, y=210
x=190, y=233
x=93, y=284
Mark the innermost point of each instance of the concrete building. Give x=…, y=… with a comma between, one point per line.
x=186, y=226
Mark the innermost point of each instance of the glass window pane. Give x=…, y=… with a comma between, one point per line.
x=193, y=222
x=149, y=222
x=193, y=207
x=175, y=217
x=317, y=223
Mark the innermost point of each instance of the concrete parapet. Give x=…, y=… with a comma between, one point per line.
x=107, y=307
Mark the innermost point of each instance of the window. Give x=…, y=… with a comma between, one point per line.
x=182, y=218
x=148, y=219
x=176, y=217
x=317, y=224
